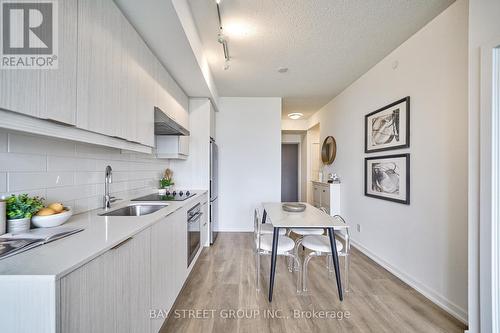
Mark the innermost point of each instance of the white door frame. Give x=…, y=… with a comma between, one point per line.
x=489, y=250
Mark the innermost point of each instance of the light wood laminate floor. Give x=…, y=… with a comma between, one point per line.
x=224, y=280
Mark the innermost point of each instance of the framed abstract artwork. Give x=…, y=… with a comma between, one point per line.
x=388, y=178
x=389, y=127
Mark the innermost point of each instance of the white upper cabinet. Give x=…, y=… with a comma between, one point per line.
x=116, y=84
x=99, y=66
x=170, y=97
x=47, y=93
x=107, y=82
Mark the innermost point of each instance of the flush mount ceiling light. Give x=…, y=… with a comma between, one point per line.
x=295, y=115
x=282, y=70
x=222, y=39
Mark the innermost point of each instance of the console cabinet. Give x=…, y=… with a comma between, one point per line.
x=327, y=196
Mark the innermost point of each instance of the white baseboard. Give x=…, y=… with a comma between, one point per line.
x=430, y=294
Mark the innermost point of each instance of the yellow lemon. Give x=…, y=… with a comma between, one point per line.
x=45, y=212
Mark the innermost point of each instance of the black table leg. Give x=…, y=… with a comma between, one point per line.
x=264, y=216
x=333, y=244
x=273, y=262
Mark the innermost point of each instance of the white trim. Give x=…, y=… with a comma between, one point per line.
x=489, y=246
x=495, y=191
x=448, y=306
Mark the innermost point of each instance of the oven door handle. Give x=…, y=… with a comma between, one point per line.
x=195, y=217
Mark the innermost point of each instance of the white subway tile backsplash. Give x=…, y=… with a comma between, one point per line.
x=25, y=180
x=89, y=177
x=34, y=144
x=116, y=165
x=120, y=176
x=137, y=184
x=31, y=192
x=118, y=187
x=86, y=204
x=99, y=152
x=72, y=173
x=58, y=163
x=3, y=182
x=71, y=192
x=22, y=162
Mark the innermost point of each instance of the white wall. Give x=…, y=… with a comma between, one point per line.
x=249, y=140
x=194, y=173
x=72, y=173
x=424, y=243
x=484, y=26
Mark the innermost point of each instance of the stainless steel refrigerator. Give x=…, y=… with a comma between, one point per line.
x=214, y=177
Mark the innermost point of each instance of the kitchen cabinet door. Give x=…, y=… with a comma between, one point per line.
x=180, y=249
x=112, y=292
x=88, y=297
x=162, y=268
x=316, y=196
x=204, y=222
x=116, y=83
x=47, y=93
x=132, y=264
x=144, y=112
x=325, y=197
x=100, y=55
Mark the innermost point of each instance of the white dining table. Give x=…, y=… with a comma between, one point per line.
x=311, y=217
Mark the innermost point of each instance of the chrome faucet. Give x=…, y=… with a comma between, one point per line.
x=108, y=179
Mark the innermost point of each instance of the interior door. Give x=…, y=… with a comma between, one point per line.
x=289, y=172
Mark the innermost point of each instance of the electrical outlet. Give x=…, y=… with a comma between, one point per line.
x=358, y=227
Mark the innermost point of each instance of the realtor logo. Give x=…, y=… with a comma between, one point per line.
x=29, y=34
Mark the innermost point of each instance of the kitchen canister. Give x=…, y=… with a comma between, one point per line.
x=3, y=215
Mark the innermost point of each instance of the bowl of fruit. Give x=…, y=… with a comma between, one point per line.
x=51, y=216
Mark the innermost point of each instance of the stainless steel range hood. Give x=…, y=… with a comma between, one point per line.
x=164, y=125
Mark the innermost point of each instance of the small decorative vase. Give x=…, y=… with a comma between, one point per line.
x=18, y=226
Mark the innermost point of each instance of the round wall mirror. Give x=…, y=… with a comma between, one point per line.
x=329, y=150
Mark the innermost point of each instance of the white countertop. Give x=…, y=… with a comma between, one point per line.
x=101, y=233
x=311, y=217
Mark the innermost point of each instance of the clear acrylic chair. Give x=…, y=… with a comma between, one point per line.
x=263, y=246
x=320, y=246
x=300, y=233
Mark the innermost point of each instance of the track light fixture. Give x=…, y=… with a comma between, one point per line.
x=222, y=39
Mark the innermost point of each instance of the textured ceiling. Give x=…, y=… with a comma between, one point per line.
x=326, y=44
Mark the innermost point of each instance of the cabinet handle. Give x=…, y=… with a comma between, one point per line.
x=121, y=243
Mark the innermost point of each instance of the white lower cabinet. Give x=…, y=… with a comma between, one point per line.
x=204, y=223
x=169, y=263
x=88, y=297
x=112, y=292
x=117, y=291
x=132, y=263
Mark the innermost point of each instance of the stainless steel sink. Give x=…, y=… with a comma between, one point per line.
x=139, y=209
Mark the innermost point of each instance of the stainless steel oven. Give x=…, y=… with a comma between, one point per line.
x=193, y=231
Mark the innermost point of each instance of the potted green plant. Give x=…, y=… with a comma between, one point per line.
x=20, y=209
x=167, y=182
